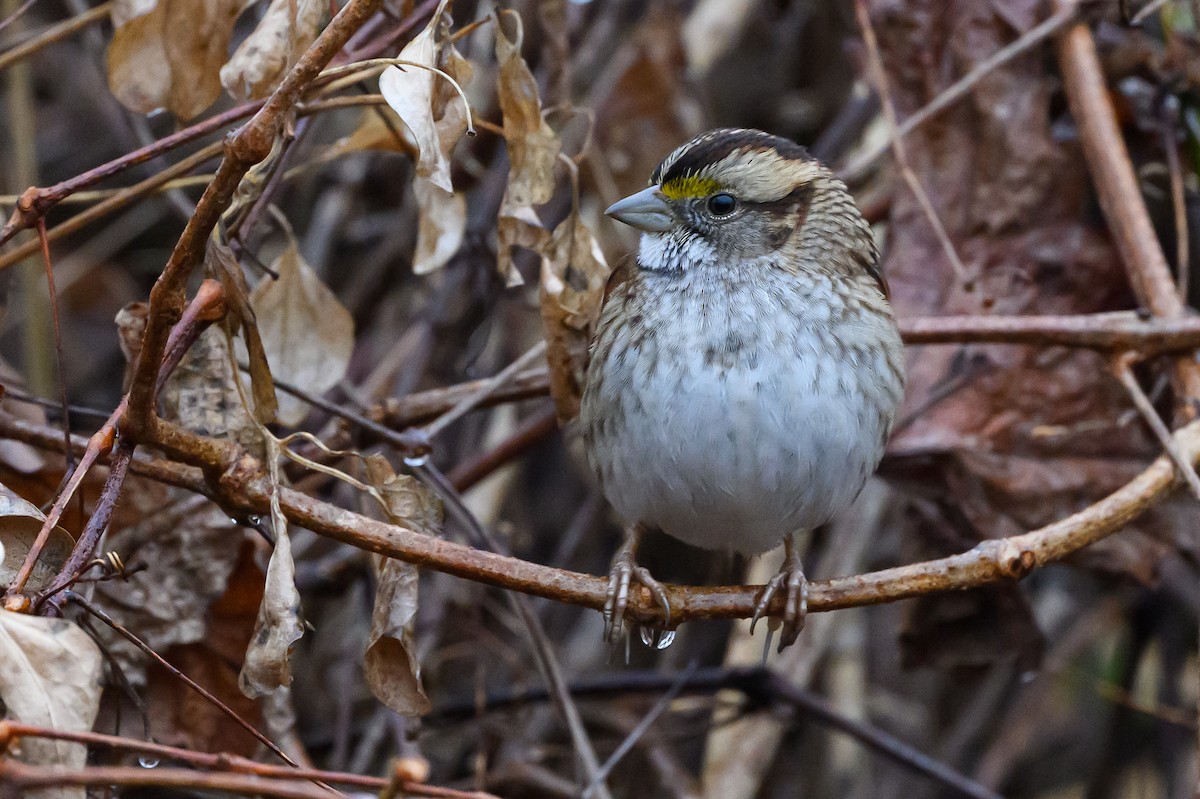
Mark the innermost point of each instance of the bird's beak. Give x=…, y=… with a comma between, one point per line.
x=647, y=210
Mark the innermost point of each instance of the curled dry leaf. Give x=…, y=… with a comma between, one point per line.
x=390, y=662
x=410, y=92
x=261, y=61
x=433, y=112
x=532, y=146
x=306, y=331
x=574, y=273
x=168, y=54
x=51, y=678
x=20, y=523
x=222, y=265
x=278, y=625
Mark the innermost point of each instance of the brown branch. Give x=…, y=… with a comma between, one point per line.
x=223, y=761
x=1119, y=194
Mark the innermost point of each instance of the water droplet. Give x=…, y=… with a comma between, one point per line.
x=1028, y=676
x=646, y=634
x=233, y=521
x=254, y=521
x=147, y=761
x=665, y=639
x=416, y=461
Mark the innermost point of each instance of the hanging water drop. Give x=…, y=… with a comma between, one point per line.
x=147, y=761
x=665, y=639
x=646, y=634
x=416, y=461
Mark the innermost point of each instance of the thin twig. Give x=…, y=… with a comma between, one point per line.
x=959, y=89
x=54, y=34
x=1123, y=368
x=899, y=151
x=186, y=680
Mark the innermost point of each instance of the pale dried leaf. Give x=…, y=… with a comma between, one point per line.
x=278, y=625
x=284, y=33
x=441, y=225
x=410, y=93
x=574, y=274
x=390, y=664
x=154, y=61
x=220, y=262
x=20, y=523
x=307, y=333
x=51, y=678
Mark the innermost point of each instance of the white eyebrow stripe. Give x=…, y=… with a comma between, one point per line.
x=761, y=175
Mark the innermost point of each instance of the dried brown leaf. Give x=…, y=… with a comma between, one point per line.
x=20, y=523
x=221, y=264
x=260, y=62
x=51, y=678
x=168, y=54
x=390, y=662
x=574, y=273
x=533, y=146
x=307, y=333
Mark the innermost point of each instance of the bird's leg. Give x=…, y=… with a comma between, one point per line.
x=795, y=607
x=625, y=571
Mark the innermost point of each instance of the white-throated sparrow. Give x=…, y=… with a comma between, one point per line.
x=746, y=369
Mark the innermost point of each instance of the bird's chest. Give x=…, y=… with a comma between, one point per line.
x=727, y=413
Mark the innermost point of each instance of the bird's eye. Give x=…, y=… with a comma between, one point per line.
x=722, y=204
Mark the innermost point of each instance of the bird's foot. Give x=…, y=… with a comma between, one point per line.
x=625, y=572
x=795, y=606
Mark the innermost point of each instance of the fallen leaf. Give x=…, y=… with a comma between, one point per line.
x=20, y=523
x=390, y=664
x=51, y=678
x=286, y=30
x=573, y=275
x=307, y=333
x=533, y=146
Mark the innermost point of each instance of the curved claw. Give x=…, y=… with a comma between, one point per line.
x=795, y=607
x=624, y=572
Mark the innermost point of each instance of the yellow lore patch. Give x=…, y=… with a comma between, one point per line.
x=689, y=186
